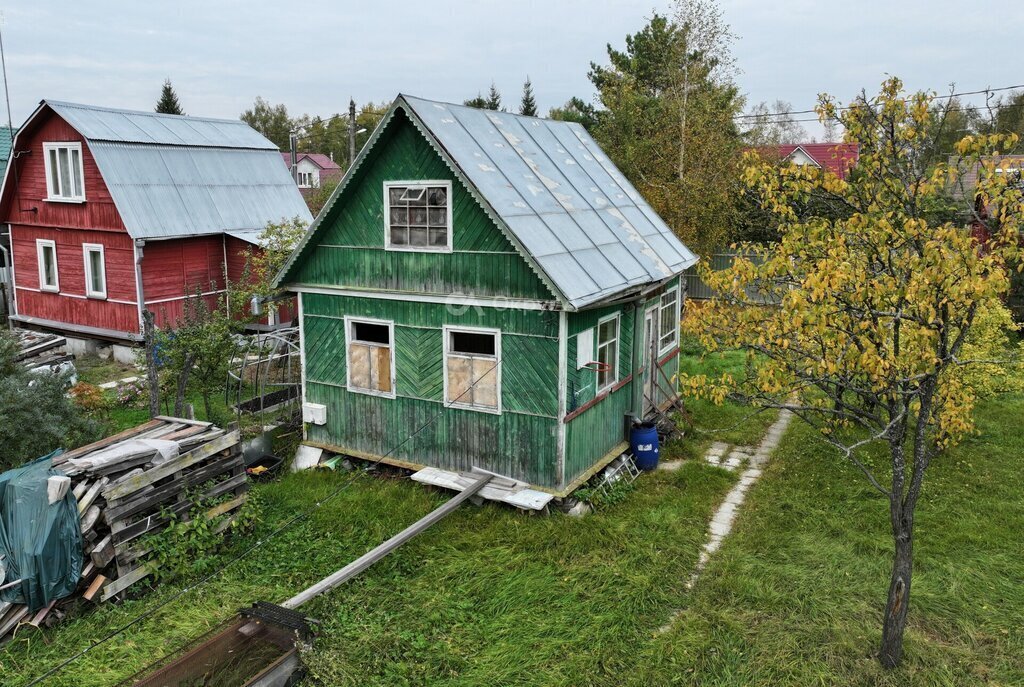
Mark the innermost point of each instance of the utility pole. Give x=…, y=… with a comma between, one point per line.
x=293, y=142
x=351, y=131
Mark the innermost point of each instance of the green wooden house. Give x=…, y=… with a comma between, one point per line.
x=485, y=290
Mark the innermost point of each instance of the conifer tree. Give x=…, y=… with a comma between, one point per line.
x=168, y=103
x=528, y=105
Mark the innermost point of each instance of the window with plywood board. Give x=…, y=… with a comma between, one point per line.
x=472, y=370
x=371, y=356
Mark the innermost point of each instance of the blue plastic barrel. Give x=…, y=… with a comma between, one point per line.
x=643, y=442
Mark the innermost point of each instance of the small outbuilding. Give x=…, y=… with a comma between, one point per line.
x=485, y=290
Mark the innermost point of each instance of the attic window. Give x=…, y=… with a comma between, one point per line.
x=418, y=216
x=306, y=179
x=64, y=174
x=472, y=372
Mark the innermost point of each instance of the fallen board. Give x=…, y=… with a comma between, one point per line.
x=500, y=489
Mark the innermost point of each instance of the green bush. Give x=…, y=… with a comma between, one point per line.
x=36, y=414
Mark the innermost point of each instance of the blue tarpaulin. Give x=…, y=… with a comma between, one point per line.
x=40, y=542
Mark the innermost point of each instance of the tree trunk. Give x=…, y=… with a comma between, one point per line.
x=898, y=603
x=179, y=397
x=152, y=380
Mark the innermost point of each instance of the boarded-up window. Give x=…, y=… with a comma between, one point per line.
x=472, y=359
x=370, y=357
x=607, y=352
x=668, y=320
x=418, y=216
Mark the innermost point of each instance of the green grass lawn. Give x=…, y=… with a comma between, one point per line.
x=488, y=596
x=491, y=596
x=795, y=595
x=96, y=370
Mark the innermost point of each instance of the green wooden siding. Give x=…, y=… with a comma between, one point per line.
x=582, y=383
x=349, y=250
x=598, y=429
x=419, y=314
x=519, y=446
x=595, y=432
x=520, y=443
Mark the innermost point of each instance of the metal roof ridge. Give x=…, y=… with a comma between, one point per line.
x=158, y=115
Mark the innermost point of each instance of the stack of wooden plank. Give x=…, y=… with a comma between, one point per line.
x=132, y=484
x=43, y=350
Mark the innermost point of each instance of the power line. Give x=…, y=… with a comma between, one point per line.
x=260, y=542
x=787, y=113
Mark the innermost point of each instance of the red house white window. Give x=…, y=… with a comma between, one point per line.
x=46, y=252
x=64, y=173
x=95, y=270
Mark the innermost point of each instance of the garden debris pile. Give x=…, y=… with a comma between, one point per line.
x=119, y=490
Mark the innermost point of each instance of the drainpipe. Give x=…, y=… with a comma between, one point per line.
x=140, y=245
x=9, y=290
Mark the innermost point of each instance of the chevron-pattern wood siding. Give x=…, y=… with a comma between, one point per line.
x=350, y=247
x=521, y=442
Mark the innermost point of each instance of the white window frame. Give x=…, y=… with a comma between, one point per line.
x=52, y=245
x=618, y=351
x=665, y=348
x=419, y=183
x=349, y=322
x=88, y=248
x=446, y=333
x=53, y=194
x=308, y=177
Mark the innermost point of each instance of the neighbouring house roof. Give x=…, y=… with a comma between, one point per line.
x=322, y=161
x=968, y=181
x=553, y=191
x=173, y=176
x=6, y=134
x=836, y=157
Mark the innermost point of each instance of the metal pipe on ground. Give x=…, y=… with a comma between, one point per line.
x=258, y=649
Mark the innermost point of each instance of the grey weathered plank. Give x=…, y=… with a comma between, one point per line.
x=129, y=486
x=127, y=508
x=107, y=441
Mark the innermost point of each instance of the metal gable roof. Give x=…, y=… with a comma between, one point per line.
x=172, y=176
x=557, y=192
x=128, y=126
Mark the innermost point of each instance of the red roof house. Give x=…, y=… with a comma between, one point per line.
x=835, y=157
x=112, y=211
x=312, y=169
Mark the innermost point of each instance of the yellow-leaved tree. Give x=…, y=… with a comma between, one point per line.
x=869, y=317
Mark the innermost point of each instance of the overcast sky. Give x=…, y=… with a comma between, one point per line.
x=312, y=56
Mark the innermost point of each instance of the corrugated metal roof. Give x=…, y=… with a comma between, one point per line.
x=248, y=235
x=561, y=197
x=128, y=126
x=172, y=176
x=172, y=191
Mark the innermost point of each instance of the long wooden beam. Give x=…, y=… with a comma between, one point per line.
x=373, y=555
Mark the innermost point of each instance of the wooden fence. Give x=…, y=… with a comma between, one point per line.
x=697, y=290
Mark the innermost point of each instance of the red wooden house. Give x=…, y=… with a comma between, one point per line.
x=113, y=211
